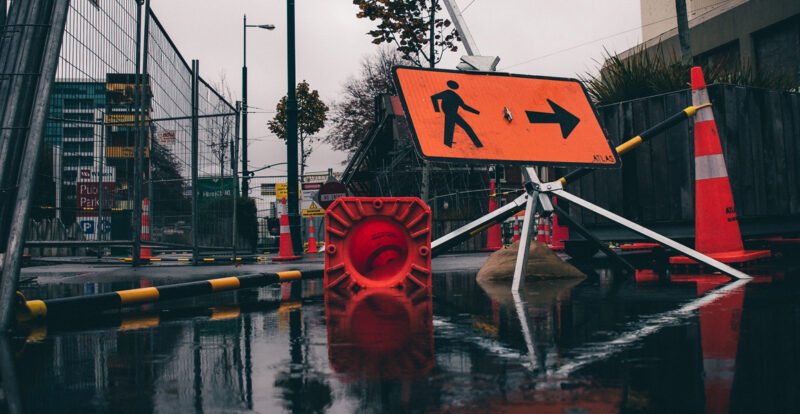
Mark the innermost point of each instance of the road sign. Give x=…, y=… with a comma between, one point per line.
x=329, y=192
x=502, y=118
x=88, y=223
x=313, y=211
x=282, y=191
x=268, y=189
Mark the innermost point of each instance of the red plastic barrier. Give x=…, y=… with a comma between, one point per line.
x=377, y=243
x=383, y=333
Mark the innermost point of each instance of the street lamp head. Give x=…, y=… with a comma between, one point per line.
x=267, y=26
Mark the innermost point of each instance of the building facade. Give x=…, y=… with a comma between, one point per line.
x=765, y=33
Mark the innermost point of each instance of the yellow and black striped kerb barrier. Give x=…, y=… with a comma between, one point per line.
x=123, y=322
x=33, y=309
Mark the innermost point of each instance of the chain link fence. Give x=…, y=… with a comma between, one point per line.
x=268, y=191
x=117, y=164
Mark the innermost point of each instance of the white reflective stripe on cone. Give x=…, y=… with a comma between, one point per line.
x=709, y=166
x=704, y=114
x=700, y=97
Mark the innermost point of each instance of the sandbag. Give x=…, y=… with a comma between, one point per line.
x=542, y=263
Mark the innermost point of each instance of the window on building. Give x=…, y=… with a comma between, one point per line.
x=723, y=57
x=777, y=48
x=74, y=103
x=85, y=146
x=78, y=132
x=79, y=116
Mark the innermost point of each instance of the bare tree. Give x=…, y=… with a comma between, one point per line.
x=414, y=27
x=354, y=115
x=221, y=127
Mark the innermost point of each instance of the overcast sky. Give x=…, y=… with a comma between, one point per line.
x=536, y=37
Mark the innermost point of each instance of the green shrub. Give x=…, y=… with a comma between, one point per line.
x=652, y=73
x=217, y=209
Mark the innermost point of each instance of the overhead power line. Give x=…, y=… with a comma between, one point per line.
x=694, y=14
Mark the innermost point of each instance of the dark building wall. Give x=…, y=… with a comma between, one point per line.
x=778, y=47
x=764, y=32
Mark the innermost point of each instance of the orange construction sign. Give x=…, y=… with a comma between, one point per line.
x=487, y=117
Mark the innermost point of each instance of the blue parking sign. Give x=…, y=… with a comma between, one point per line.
x=87, y=226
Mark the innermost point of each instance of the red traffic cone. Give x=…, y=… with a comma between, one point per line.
x=312, y=242
x=715, y=223
x=540, y=232
x=560, y=233
x=547, y=231
x=516, y=228
x=144, y=252
x=494, y=239
x=285, y=252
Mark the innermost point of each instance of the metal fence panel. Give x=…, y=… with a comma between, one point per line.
x=87, y=176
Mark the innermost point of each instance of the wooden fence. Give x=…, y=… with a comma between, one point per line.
x=760, y=136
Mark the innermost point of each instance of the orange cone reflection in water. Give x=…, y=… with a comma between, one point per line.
x=382, y=333
x=719, y=336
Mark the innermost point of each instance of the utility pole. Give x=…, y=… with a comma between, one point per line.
x=235, y=171
x=245, y=181
x=291, y=133
x=683, y=32
x=426, y=166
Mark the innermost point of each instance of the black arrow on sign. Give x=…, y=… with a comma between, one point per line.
x=560, y=116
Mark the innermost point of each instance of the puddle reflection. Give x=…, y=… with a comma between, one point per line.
x=380, y=333
x=608, y=343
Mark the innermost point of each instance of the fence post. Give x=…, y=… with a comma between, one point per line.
x=2, y=16
x=195, y=99
x=148, y=136
x=101, y=176
x=136, y=218
x=234, y=163
x=27, y=172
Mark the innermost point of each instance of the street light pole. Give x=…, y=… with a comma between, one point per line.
x=291, y=132
x=245, y=181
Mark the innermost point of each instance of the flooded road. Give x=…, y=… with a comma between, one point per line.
x=601, y=344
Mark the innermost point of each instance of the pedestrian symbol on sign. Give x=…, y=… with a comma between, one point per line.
x=450, y=104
